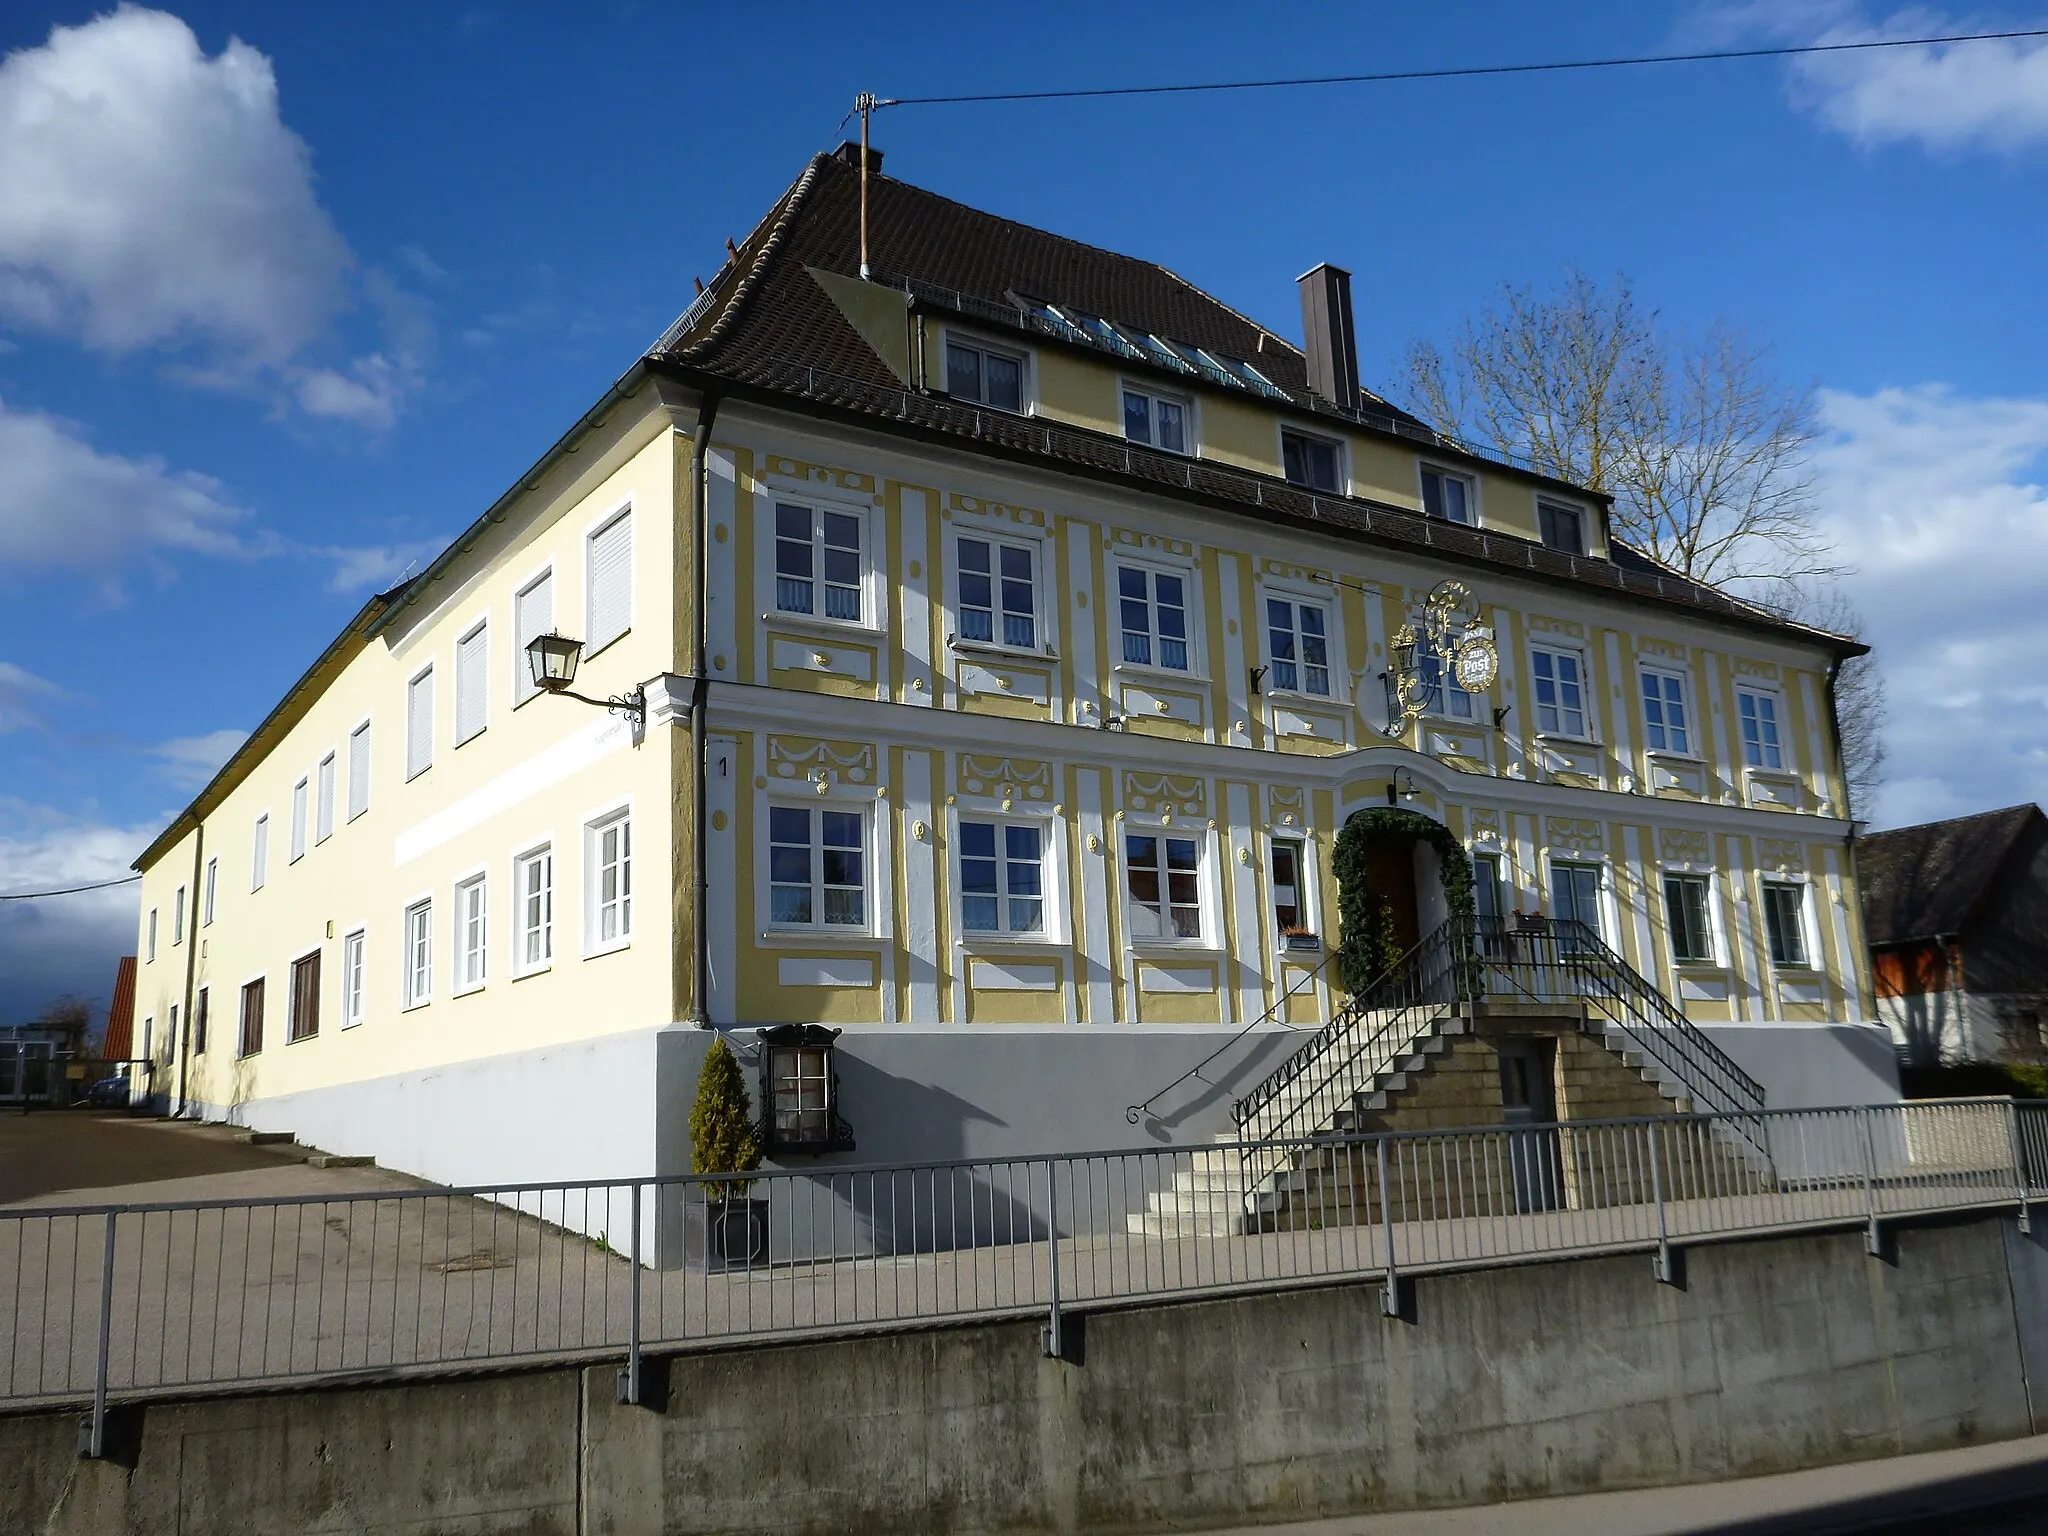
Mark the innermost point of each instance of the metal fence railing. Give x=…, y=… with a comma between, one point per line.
x=107, y=1302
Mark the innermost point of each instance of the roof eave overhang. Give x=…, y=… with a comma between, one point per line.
x=709, y=380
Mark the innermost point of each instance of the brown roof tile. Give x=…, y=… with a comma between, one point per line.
x=1921, y=882
x=766, y=323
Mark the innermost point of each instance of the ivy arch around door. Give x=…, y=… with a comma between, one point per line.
x=1365, y=923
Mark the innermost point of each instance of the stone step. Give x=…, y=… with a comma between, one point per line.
x=1148, y=1224
x=1180, y=1202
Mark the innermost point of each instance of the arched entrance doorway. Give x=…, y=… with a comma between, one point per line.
x=1399, y=875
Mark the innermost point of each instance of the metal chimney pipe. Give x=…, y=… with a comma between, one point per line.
x=1331, y=343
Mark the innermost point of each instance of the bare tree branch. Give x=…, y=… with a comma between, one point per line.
x=1702, y=446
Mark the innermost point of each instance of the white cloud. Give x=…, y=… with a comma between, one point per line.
x=362, y=568
x=19, y=689
x=65, y=943
x=189, y=761
x=1953, y=96
x=1938, y=500
x=152, y=195
x=66, y=506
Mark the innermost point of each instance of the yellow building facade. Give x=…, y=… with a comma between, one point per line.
x=1028, y=685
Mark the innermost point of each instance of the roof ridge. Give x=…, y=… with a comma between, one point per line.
x=777, y=222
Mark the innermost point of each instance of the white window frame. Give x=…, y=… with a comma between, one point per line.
x=1776, y=700
x=1286, y=429
x=1191, y=590
x=523, y=686
x=1153, y=396
x=423, y=673
x=302, y=809
x=592, y=643
x=1304, y=882
x=201, y=1022
x=1207, y=911
x=869, y=621
x=1424, y=468
x=542, y=852
x=259, y=852
x=1809, y=930
x=207, y=891
x=864, y=812
x=1051, y=883
x=997, y=541
x=469, y=965
x=1608, y=928
x=1578, y=509
x=325, y=773
x=594, y=828
x=1691, y=750
x=951, y=337
x=178, y=917
x=415, y=957
x=1716, y=949
x=1332, y=648
x=353, y=979
x=150, y=951
x=1578, y=658
x=482, y=627
x=360, y=729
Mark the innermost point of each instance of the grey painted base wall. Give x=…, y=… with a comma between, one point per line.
x=1550, y=1378
x=618, y=1106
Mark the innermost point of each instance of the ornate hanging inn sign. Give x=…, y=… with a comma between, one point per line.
x=1445, y=642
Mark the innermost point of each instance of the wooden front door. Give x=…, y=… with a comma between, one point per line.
x=1390, y=873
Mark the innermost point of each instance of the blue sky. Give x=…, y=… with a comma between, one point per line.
x=289, y=294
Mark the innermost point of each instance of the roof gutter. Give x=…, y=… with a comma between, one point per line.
x=626, y=385
x=706, y=380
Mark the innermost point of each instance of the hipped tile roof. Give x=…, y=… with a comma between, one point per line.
x=767, y=325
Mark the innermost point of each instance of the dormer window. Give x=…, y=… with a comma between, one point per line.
x=1157, y=421
x=1563, y=528
x=1311, y=462
x=985, y=375
x=1447, y=496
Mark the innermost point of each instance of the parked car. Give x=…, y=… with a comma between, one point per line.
x=109, y=1090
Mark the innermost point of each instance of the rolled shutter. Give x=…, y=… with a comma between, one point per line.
x=323, y=804
x=472, y=682
x=533, y=613
x=419, y=724
x=611, y=581
x=358, y=771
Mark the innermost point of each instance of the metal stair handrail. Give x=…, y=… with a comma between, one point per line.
x=1366, y=1035
x=1589, y=971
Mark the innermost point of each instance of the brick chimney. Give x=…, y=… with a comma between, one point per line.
x=1332, y=345
x=849, y=154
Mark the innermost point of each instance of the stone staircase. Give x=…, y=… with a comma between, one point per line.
x=1358, y=1068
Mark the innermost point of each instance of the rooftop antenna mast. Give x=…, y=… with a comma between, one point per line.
x=864, y=104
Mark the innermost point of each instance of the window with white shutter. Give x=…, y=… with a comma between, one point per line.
x=358, y=770
x=472, y=683
x=609, y=558
x=533, y=614
x=259, y=852
x=419, y=724
x=323, y=801
x=298, y=821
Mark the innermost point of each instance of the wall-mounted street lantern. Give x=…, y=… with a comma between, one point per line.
x=553, y=660
x=1447, y=641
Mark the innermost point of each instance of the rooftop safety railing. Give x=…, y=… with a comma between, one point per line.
x=110, y=1302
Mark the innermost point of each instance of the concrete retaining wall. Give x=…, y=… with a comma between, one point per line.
x=1506, y=1383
